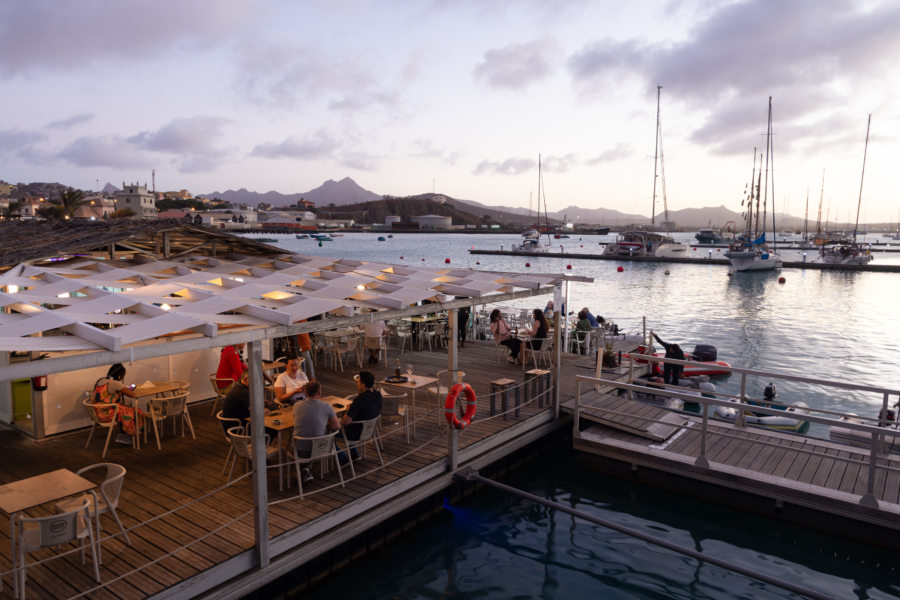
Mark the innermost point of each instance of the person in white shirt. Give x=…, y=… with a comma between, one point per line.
x=290, y=386
x=373, y=332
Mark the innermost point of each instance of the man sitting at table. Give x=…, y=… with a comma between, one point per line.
x=366, y=405
x=291, y=385
x=237, y=403
x=312, y=418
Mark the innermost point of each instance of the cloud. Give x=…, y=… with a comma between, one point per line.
x=71, y=121
x=25, y=145
x=509, y=166
x=619, y=152
x=59, y=35
x=105, y=151
x=558, y=164
x=742, y=52
x=428, y=150
x=517, y=66
x=192, y=135
x=319, y=145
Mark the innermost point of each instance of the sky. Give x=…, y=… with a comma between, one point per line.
x=459, y=97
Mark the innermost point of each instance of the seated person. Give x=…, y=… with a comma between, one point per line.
x=366, y=405
x=583, y=327
x=548, y=310
x=538, y=333
x=291, y=385
x=111, y=390
x=372, y=334
x=502, y=335
x=237, y=403
x=231, y=365
x=591, y=319
x=312, y=418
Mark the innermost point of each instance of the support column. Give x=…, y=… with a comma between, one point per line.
x=453, y=352
x=258, y=444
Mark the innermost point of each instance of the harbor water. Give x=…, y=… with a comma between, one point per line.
x=839, y=326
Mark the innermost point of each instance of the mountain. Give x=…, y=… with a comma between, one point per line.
x=109, y=189
x=338, y=193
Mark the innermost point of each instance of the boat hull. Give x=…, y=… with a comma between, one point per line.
x=794, y=424
x=753, y=261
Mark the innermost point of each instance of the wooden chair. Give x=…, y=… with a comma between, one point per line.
x=321, y=448
x=221, y=387
x=36, y=533
x=163, y=408
x=93, y=411
x=110, y=489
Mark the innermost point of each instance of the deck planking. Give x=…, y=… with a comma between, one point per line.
x=163, y=480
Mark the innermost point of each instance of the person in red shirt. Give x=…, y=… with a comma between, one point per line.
x=231, y=365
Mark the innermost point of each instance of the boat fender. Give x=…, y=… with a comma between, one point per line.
x=450, y=406
x=725, y=412
x=707, y=389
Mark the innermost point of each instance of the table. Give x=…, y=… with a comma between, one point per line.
x=283, y=420
x=416, y=382
x=24, y=494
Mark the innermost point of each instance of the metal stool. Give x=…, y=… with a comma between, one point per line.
x=537, y=382
x=503, y=386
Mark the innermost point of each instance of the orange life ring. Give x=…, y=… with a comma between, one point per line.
x=450, y=405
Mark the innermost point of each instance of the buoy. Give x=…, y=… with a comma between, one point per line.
x=581, y=246
x=569, y=267
x=401, y=258
x=667, y=271
x=620, y=269
x=423, y=260
x=527, y=264
x=477, y=263
x=320, y=243
x=694, y=249
x=473, y=247
x=447, y=261
x=781, y=280
x=718, y=249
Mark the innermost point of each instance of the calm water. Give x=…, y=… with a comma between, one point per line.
x=496, y=546
x=839, y=326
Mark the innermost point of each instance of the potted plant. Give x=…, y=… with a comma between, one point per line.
x=609, y=355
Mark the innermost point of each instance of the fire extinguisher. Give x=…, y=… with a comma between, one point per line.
x=39, y=383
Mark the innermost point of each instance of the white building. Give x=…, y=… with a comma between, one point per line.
x=137, y=199
x=433, y=222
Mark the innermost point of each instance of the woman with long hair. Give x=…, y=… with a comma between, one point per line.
x=502, y=335
x=538, y=332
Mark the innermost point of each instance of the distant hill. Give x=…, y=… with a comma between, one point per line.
x=338, y=193
x=424, y=204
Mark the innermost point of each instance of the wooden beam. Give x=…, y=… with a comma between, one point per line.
x=259, y=447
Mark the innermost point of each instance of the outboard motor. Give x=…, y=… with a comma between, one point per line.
x=705, y=352
x=769, y=393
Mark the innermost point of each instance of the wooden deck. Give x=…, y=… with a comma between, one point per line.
x=770, y=469
x=187, y=528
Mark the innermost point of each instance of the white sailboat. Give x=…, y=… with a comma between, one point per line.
x=532, y=242
x=844, y=251
x=667, y=247
x=751, y=251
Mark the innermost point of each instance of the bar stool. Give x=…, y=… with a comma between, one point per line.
x=537, y=382
x=504, y=386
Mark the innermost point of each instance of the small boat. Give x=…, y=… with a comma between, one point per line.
x=791, y=421
x=637, y=243
x=532, y=246
x=264, y=240
x=862, y=439
x=704, y=361
x=531, y=234
x=559, y=236
x=390, y=235
x=302, y=236
x=321, y=237
x=381, y=238
x=711, y=235
x=335, y=235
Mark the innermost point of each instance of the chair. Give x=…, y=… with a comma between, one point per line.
x=110, y=488
x=394, y=405
x=445, y=380
x=349, y=344
x=36, y=533
x=242, y=448
x=402, y=334
x=163, y=408
x=92, y=411
x=366, y=435
x=582, y=346
x=221, y=387
x=320, y=449
x=546, y=352
x=499, y=351
x=228, y=423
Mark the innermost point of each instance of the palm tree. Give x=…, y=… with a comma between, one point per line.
x=12, y=211
x=71, y=200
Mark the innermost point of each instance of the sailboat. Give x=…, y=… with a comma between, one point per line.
x=843, y=251
x=667, y=248
x=649, y=243
x=751, y=252
x=532, y=241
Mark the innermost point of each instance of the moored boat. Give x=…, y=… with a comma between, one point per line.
x=791, y=421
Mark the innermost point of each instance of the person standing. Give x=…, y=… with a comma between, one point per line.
x=304, y=346
x=312, y=418
x=671, y=372
x=290, y=387
x=231, y=365
x=462, y=325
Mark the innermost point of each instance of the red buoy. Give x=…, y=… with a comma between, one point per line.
x=401, y=258
x=527, y=264
x=447, y=261
x=620, y=269
x=718, y=249
x=477, y=263
x=569, y=267
x=781, y=280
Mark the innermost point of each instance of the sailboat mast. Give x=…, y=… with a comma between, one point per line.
x=821, y=197
x=861, y=177
x=806, y=218
x=771, y=152
x=766, y=184
x=752, y=196
x=655, y=161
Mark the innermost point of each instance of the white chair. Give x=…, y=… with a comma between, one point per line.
x=321, y=448
x=242, y=448
x=37, y=533
x=402, y=334
x=110, y=489
x=438, y=392
x=227, y=423
x=395, y=410
x=163, y=408
x=545, y=354
x=366, y=435
x=220, y=387
x=370, y=343
x=108, y=410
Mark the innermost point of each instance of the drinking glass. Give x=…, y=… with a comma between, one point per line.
x=409, y=372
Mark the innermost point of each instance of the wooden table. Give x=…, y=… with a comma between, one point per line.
x=412, y=384
x=24, y=494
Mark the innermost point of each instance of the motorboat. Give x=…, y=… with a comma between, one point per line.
x=321, y=237
x=301, y=236
x=791, y=421
x=863, y=439
x=530, y=245
x=704, y=361
x=264, y=240
x=845, y=253
x=711, y=235
x=637, y=243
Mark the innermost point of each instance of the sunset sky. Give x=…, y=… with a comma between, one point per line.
x=459, y=95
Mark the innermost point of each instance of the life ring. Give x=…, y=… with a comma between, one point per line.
x=450, y=405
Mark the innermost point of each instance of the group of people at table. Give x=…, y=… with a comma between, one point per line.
x=532, y=337
x=313, y=417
